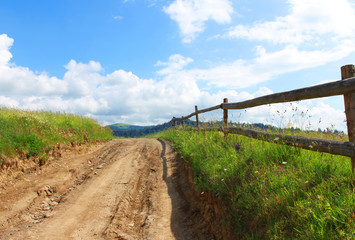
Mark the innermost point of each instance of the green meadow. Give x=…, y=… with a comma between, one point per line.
x=273, y=191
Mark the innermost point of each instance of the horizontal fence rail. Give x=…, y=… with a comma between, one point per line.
x=324, y=90
x=345, y=87
x=314, y=144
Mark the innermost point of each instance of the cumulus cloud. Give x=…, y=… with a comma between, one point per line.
x=113, y=97
x=191, y=15
x=81, y=78
x=122, y=96
x=291, y=58
x=263, y=67
x=313, y=34
x=8, y=102
x=5, y=44
x=242, y=74
x=176, y=63
x=16, y=80
x=307, y=21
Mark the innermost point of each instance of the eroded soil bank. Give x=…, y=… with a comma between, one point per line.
x=123, y=189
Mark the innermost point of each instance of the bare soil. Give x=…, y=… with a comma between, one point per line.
x=123, y=189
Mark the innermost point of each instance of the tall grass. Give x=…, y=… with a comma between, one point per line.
x=274, y=191
x=35, y=133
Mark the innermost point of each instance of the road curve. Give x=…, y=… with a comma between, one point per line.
x=125, y=189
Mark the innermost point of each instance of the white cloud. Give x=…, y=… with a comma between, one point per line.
x=122, y=96
x=86, y=90
x=191, y=15
x=264, y=67
x=15, y=80
x=238, y=74
x=308, y=21
x=118, y=18
x=8, y=102
x=81, y=78
x=176, y=63
x=291, y=58
x=313, y=34
x=5, y=44
x=20, y=80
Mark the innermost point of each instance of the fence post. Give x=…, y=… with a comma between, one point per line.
x=174, y=122
x=225, y=118
x=197, y=122
x=225, y=114
x=348, y=71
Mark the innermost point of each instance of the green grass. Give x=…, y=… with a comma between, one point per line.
x=35, y=133
x=274, y=191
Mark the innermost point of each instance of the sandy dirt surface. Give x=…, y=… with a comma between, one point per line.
x=123, y=189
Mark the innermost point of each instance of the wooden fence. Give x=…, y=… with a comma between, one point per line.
x=345, y=87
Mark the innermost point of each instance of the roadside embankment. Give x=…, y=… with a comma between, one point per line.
x=29, y=139
x=260, y=190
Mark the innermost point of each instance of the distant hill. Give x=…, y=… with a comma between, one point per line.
x=127, y=130
x=127, y=127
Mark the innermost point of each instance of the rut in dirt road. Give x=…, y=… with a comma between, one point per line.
x=128, y=192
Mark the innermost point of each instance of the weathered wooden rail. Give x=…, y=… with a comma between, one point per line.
x=345, y=87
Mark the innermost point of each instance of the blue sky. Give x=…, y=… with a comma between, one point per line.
x=144, y=61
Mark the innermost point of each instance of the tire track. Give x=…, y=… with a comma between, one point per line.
x=125, y=190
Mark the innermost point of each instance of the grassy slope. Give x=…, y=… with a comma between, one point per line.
x=274, y=191
x=36, y=133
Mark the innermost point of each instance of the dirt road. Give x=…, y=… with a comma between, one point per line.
x=124, y=189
